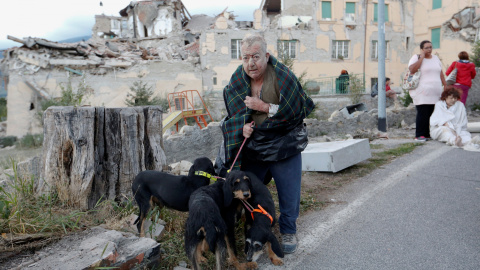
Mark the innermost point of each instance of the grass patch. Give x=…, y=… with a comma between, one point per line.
x=43, y=219
x=30, y=141
x=26, y=213
x=377, y=146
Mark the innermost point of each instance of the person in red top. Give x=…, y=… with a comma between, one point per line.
x=465, y=74
x=388, y=91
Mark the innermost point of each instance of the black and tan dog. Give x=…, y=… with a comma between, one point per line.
x=211, y=221
x=172, y=191
x=260, y=219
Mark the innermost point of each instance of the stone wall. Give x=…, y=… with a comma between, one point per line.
x=474, y=92
x=193, y=142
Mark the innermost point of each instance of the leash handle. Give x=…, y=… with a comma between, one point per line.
x=240, y=150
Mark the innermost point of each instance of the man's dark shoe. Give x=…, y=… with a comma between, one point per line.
x=289, y=243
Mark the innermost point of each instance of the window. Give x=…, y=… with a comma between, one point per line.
x=287, y=48
x=340, y=49
x=436, y=38
x=436, y=4
x=375, y=13
x=375, y=49
x=350, y=12
x=326, y=10
x=235, y=48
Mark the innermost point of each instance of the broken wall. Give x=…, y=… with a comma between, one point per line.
x=298, y=7
x=451, y=42
x=111, y=88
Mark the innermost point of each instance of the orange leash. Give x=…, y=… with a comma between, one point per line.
x=260, y=210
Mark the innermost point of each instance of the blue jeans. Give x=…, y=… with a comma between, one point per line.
x=287, y=174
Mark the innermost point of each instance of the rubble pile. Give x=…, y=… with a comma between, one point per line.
x=463, y=24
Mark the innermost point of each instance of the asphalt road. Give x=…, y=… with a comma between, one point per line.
x=421, y=211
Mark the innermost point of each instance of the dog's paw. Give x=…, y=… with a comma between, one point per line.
x=202, y=259
x=276, y=261
x=251, y=265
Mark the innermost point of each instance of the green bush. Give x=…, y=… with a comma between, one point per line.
x=70, y=96
x=475, y=55
x=30, y=141
x=7, y=141
x=406, y=99
x=3, y=109
x=356, y=89
x=143, y=96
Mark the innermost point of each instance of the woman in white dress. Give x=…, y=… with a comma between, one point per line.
x=448, y=122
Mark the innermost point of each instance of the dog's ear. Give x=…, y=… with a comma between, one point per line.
x=277, y=249
x=191, y=172
x=248, y=242
x=227, y=191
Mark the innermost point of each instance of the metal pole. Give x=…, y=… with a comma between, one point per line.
x=382, y=119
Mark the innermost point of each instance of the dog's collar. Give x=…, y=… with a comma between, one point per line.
x=209, y=176
x=262, y=211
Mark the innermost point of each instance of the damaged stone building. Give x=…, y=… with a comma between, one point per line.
x=162, y=44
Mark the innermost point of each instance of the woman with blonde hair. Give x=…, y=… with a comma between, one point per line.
x=465, y=74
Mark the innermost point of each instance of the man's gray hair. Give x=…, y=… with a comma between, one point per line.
x=250, y=40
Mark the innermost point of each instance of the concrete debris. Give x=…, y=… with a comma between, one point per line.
x=113, y=37
x=94, y=249
x=301, y=22
x=463, y=24
x=180, y=168
x=199, y=23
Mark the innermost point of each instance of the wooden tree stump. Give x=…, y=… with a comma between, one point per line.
x=91, y=154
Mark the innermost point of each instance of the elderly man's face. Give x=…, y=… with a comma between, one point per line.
x=254, y=60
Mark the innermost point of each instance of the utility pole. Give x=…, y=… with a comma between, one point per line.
x=382, y=114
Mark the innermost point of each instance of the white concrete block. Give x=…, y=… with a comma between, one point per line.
x=473, y=127
x=335, y=156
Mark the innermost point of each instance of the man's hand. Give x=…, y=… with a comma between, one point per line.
x=257, y=104
x=247, y=130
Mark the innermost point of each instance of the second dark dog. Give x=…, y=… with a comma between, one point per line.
x=259, y=223
x=172, y=191
x=211, y=221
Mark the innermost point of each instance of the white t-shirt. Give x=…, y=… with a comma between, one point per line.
x=430, y=87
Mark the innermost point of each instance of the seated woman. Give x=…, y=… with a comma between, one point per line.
x=448, y=122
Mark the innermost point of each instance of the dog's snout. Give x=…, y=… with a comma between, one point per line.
x=246, y=194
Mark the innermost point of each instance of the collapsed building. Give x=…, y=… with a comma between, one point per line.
x=162, y=44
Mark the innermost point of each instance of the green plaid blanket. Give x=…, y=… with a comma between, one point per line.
x=294, y=106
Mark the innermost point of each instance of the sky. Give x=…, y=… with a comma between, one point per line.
x=56, y=20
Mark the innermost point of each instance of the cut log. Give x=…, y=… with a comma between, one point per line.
x=91, y=154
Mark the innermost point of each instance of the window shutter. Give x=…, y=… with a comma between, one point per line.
x=436, y=4
x=375, y=13
x=436, y=38
x=386, y=13
x=350, y=8
x=326, y=10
